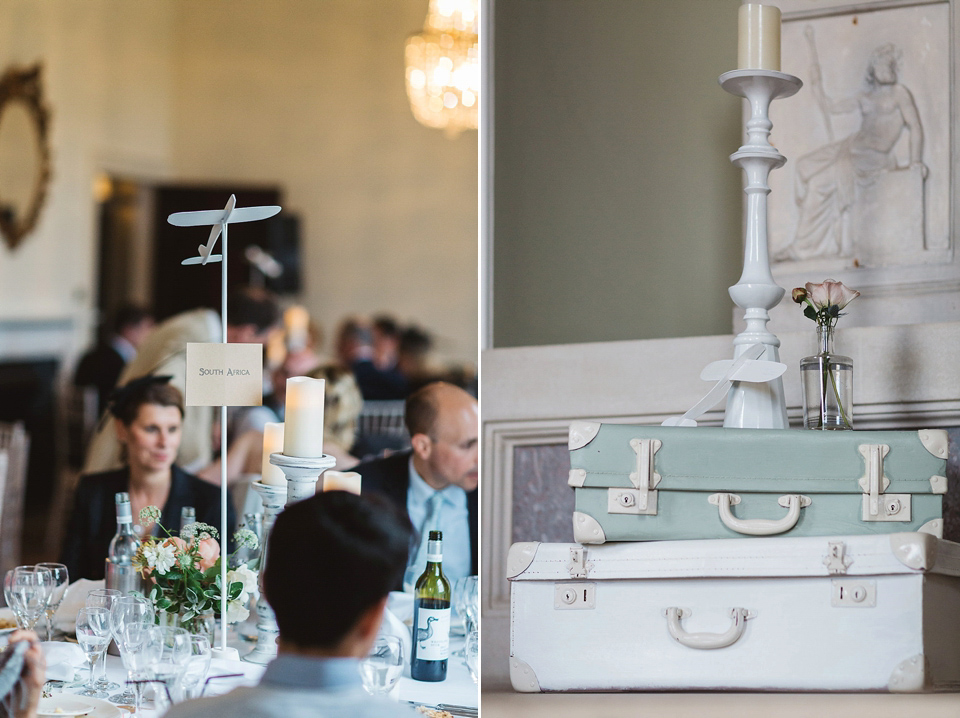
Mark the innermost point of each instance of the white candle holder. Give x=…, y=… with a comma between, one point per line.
x=302, y=475
x=274, y=498
x=751, y=404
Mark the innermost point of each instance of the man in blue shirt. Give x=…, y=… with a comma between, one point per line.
x=436, y=481
x=332, y=560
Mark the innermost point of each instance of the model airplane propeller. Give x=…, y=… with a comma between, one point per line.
x=219, y=218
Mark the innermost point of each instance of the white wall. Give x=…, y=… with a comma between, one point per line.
x=305, y=94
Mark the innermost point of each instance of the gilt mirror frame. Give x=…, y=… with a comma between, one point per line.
x=23, y=84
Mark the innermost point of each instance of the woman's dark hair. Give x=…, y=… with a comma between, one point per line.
x=331, y=558
x=126, y=401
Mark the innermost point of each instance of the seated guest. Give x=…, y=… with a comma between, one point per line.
x=355, y=350
x=436, y=481
x=148, y=418
x=412, y=355
x=334, y=538
x=341, y=408
x=23, y=698
x=101, y=366
x=385, y=335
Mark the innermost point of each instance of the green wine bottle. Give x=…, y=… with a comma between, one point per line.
x=431, y=617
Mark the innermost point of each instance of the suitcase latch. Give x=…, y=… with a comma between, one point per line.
x=645, y=479
x=876, y=505
x=579, y=566
x=835, y=560
x=574, y=596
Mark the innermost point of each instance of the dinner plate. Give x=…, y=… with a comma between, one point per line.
x=6, y=615
x=66, y=704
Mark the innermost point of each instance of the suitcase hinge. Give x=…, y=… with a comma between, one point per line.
x=835, y=560
x=645, y=479
x=579, y=566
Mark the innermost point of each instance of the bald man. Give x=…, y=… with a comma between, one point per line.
x=436, y=481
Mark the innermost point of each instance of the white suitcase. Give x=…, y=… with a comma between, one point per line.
x=851, y=613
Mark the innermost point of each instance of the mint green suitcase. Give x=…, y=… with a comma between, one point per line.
x=642, y=483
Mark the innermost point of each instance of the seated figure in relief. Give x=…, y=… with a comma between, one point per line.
x=828, y=179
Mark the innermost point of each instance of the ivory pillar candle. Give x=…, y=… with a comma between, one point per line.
x=296, y=320
x=272, y=443
x=758, y=45
x=303, y=417
x=341, y=481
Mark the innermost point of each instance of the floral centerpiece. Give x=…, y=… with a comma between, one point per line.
x=186, y=576
x=827, y=377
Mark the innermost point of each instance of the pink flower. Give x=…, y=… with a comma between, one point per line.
x=209, y=551
x=830, y=293
x=178, y=544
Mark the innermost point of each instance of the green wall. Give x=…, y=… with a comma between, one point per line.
x=617, y=211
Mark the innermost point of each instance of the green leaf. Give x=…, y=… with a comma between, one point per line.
x=192, y=596
x=810, y=313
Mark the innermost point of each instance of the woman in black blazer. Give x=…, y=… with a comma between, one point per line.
x=148, y=416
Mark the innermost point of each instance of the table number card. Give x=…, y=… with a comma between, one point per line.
x=224, y=374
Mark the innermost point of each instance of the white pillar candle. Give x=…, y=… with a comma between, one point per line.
x=303, y=417
x=296, y=320
x=272, y=443
x=341, y=481
x=758, y=45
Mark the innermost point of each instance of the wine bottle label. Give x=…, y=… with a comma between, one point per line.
x=433, y=634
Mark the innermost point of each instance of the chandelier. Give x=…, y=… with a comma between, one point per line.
x=443, y=67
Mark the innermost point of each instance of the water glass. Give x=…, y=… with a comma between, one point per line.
x=138, y=652
x=30, y=589
x=61, y=581
x=93, y=635
x=170, y=648
x=471, y=653
x=197, y=667
x=382, y=668
x=126, y=611
x=103, y=598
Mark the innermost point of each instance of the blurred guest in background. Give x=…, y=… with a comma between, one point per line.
x=148, y=421
x=436, y=481
x=101, y=366
x=385, y=334
x=251, y=315
x=341, y=408
x=414, y=348
x=355, y=350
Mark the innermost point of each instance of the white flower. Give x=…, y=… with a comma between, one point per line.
x=247, y=577
x=236, y=611
x=830, y=293
x=246, y=538
x=160, y=557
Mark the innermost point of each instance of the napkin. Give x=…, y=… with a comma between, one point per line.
x=62, y=659
x=393, y=624
x=65, y=619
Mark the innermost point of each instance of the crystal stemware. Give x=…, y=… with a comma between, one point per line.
x=61, y=581
x=93, y=635
x=471, y=652
x=125, y=611
x=197, y=667
x=30, y=589
x=383, y=666
x=138, y=650
x=104, y=598
x=170, y=648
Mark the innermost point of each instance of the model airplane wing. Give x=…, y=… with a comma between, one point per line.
x=252, y=214
x=205, y=216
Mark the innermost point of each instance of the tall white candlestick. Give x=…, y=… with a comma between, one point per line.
x=758, y=44
x=303, y=417
x=272, y=442
x=341, y=481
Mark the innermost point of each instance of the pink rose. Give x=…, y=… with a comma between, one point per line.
x=178, y=544
x=209, y=551
x=830, y=293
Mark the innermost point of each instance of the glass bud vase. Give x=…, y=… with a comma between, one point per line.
x=827, y=380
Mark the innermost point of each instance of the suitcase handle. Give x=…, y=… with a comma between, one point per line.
x=759, y=527
x=706, y=641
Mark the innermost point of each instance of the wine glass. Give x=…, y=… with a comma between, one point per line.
x=197, y=667
x=93, y=635
x=471, y=603
x=61, y=581
x=471, y=652
x=138, y=650
x=30, y=590
x=170, y=648
x=104, y=598
x=8, y=594
x=383, y=666
x=125, y=611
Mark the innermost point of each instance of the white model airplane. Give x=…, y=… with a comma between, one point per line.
x=219, y=218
